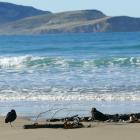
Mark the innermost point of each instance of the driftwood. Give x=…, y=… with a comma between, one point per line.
x=69, y=123
x=55, y=126
x=75, y=121
x=82, y=119
x=35, y=126
x=62, y=119
x=104, y=117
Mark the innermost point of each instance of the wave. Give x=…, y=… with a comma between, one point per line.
x=34, y=61
x=15, y=96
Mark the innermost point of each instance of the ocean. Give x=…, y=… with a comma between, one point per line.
x=71, y=73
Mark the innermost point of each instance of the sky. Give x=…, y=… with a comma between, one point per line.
x=109, y=7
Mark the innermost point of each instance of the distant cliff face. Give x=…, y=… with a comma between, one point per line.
x=28, y=20
x=11, y=12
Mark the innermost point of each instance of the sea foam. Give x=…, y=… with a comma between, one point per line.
x=67, y=95
x=35, y=61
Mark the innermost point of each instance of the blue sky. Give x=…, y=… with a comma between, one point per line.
x=109, y=7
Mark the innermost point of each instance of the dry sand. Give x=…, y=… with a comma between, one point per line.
x=99, y=131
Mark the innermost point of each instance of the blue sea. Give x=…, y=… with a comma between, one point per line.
x=70, y=72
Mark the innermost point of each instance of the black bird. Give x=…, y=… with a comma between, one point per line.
x=11, y=116
x=97, y=115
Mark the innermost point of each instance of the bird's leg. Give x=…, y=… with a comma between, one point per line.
x=11, y=124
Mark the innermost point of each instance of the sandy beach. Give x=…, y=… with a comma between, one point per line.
x=98, y=131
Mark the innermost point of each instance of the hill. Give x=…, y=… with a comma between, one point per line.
x=53, y=23
x=12, y=12
x=20, y=20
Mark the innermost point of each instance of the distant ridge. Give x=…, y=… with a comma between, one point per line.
x=24, y=20
x=11, y=12
x=123, y=24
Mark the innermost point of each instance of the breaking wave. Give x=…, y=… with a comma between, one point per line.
x=34, y=61
x=91, y=97
x=56, y=94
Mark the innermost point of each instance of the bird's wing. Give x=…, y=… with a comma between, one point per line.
x=7, y=117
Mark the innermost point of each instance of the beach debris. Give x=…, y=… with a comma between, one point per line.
x=35, y=126
x=133, y=118
x=11, y=116
x=76, y=121
x=99, y=116
x=73, y=122
x=70, y=123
